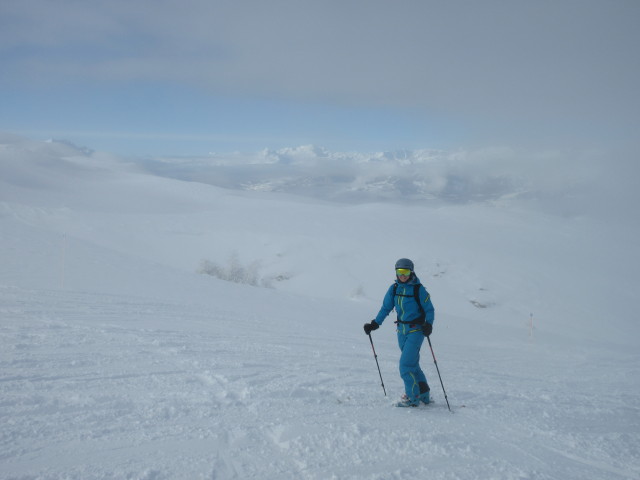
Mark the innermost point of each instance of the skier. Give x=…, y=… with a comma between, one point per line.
x=415, y=313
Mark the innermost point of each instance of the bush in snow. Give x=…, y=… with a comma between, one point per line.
x=236, y=272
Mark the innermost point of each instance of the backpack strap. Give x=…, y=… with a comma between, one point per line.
x=416, y=295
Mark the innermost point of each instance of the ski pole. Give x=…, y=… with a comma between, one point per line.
x=375, y=355
x=439, y=376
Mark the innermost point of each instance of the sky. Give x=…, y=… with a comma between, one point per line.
x=189, y=77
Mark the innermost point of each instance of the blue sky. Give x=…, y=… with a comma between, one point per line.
x=156, y=77
x=160, y=119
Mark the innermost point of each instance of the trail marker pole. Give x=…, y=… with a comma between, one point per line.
x=64, y=260
x=531, y=326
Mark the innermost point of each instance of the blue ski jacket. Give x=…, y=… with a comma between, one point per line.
x=404, y=302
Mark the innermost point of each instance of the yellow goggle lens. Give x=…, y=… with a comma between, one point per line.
x=403, y=271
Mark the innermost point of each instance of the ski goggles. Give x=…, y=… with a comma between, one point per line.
x=405, y=272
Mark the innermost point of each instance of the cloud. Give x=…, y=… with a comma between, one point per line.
x=556, y=181
x=530, y=67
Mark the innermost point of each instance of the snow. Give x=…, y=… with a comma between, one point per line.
x=120, y=359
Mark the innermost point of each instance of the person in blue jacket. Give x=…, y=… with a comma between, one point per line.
x=415, y=314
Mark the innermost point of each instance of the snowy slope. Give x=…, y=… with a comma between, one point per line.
x=120, y=359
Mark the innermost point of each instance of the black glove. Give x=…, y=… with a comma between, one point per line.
x=427, y=328
x=369, y=327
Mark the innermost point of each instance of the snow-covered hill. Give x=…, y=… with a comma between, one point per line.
x=156, y=325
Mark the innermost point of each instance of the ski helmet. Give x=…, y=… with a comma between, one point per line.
x=404, y=263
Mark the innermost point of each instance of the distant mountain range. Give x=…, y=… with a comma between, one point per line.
x=554, y=180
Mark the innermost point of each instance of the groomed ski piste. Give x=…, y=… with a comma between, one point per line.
x=156, y=328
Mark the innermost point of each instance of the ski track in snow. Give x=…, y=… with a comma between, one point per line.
x=126, y=387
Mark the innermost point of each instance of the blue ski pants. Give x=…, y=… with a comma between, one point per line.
x=410, y=370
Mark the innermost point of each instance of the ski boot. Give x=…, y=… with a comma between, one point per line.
x=408, y=402
x=424, y=392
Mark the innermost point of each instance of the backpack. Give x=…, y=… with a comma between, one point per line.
x=416, y=294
